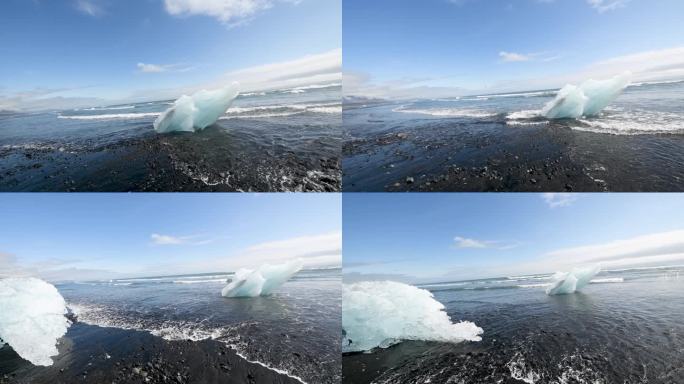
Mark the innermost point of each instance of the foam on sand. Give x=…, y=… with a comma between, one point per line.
x=196, y=112
x=32, y=318
x=586, y=100
x=262, y=281
x=383, y=313
x=569, y=282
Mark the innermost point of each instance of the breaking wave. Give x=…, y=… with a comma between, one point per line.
x=112, y=116
x=280, y=110
x=446, y=112
x=103, y=316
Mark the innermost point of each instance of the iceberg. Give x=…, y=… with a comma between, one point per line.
x=383, y=313
x=569, y=282
x=196, y=112
x=586, y=100
x=32, y=318
x=262, y=281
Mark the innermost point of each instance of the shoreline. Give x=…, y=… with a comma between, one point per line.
x=175, y=161
x=91, y=354
x=429, y=155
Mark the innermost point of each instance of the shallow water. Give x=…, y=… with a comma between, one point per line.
x=501, y=143
x=272, y=141
x=624, y=327
x=295, y=330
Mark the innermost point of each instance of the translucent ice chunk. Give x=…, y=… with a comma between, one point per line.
x=382, y=313
x=196, y=112
x=32, y=318
x=590, y=98
x=262, y=281
x=569, y=282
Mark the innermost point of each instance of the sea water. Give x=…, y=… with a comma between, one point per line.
x=624, y=326
x=387, y=142
x=295, y=329
x=279, y=140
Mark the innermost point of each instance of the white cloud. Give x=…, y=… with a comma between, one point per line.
x=320, y=250
x=361, y=84
x=318, y=69
x=317, y=250
x=607, y=5
x=322, y=68
x=151, y=68
x=508, y=57
x=49, y=269
x=43, y=99
x=158, y=68
x=555, y=200
x=653, y=248
x=158, y=239
x=513, y=57
x=462, y=242
x=90, y=7
x=231, y=12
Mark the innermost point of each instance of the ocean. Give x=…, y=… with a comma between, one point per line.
x=281, y=140
x=624, y=327
x=501, y=142
x=294, y=331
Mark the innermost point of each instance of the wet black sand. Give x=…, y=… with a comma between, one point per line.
x=569, y=339
x=443, y=155
x=244, y=158
x=96, y=355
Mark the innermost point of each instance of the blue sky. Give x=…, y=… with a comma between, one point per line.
x=102, y=235
x=502, y=45
x=128, y=49
x=436, y=237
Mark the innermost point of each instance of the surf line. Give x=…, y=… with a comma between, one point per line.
x=207, y=337
x=281, y=371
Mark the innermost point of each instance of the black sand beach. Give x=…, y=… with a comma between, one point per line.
x=438, y=155
x=251, y=157
x=96, y=355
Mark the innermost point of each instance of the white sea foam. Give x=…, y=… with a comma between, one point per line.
x=525, y=114
x=588, y=99
x=608, y=280
x=281, y=110
x=107, y=108
x=111, y=116
x=530, y=277
x=262, y=281
x=32, y=318
x=199, y=281
x=382, y=313
x=169, y=330
x=196, y=112
x=313, y=86
x=519, y=370
x=570, y=282
x=519, y=94
x=446, y=112
x=634, y=122
x=641, y=84
x=539, y=285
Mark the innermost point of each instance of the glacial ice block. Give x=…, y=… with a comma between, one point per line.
x=262, y=281
x=569, y=282
x=382, y=313
x=32, y=318
x=589, y=99
x=196, y=112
